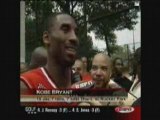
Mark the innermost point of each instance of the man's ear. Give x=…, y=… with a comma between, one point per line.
x=46, y=38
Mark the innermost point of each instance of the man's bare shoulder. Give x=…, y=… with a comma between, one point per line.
x=23, y=87
x=113, y=84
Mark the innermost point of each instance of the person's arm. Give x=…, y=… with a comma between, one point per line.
x=137, y=102
x=25, y=90
x=130, y=99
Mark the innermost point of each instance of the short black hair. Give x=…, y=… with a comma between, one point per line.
x=136, y=61
x=137, y=55
x=115, y=59
x=49, y=22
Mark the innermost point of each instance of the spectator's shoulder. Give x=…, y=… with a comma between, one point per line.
x=113, y=84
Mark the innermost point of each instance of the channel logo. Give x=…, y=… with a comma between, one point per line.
x=125, y=109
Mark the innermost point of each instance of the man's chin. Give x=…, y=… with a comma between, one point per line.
x=98, y=84
x=69, y=62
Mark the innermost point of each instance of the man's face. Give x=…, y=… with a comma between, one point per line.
x=101, y=71
x=84, y=60
x=62, y=40
x=78, y=67
x=118, y=65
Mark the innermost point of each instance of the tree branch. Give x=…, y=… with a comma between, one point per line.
x=75, y=4
x=109, y=15
x=60, y=3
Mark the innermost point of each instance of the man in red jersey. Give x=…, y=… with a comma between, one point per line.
x=61, y=41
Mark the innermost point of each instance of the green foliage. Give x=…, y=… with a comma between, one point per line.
x=122, y=52
x=30, y=37
x=102, y=17
x=39, y=10
x=107, y=16
x=36, y=12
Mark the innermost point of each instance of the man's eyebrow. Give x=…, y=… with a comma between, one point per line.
x=65, y=25
x=94, y=65
x=104, y=66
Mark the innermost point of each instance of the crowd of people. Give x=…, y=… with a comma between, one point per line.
x=56, y=65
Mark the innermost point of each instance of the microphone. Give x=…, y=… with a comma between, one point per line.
x=76, y=77
x=78, y=83
x=83, y=84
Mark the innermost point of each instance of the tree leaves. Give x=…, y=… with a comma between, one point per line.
x=102, y=17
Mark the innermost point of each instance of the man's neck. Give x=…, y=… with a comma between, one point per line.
x=60, y=75
x=85, y=72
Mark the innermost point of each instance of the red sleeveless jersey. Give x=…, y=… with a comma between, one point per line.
x=86, y=77
x=39, y=79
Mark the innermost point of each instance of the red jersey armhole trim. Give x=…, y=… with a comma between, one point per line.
x=48, y=78
x=25, y=82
